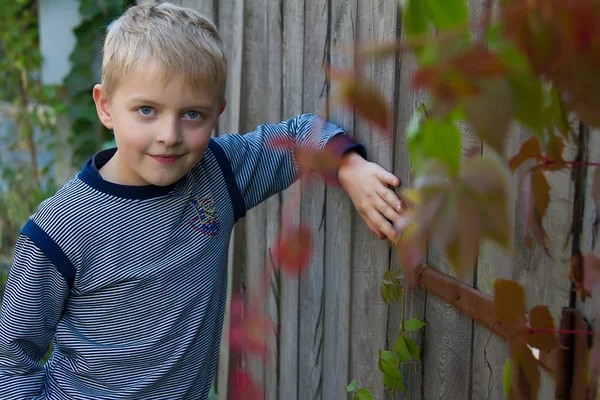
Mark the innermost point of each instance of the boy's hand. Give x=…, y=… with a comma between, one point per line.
x=367, y=185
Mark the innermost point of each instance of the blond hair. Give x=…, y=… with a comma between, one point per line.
x=181, y=40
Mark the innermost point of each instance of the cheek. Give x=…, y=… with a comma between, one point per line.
x=197, y=139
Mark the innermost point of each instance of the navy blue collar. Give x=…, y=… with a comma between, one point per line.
x=90, y=174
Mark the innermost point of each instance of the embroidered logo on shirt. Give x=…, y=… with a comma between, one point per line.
x=206, y=220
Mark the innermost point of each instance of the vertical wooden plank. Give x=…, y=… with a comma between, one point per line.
x=253, y=113
x=589, y=242
x=376, y=22
x=490, y=352
x=293, y=72
x=407, y=101
x=206, y=7
x=274, y=47
x=312, y=209
x=231, y=27
x=449, y=334
x=339, y=232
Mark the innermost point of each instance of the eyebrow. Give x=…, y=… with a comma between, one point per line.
x=142, y=100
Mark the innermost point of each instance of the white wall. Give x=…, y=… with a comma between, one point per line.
x=57, y=18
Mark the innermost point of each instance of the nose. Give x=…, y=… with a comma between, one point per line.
x=170, y=132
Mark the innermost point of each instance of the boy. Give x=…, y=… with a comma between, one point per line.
x=124, y=268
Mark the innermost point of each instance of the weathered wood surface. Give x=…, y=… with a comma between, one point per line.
x=312, y=300
x=333, y=322
x=407, y=101
x=375, y=22
x=338, y=231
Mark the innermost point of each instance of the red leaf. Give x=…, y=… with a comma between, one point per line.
x=361, y=96
x=243, y=387
x=529, y=149
x=540, y=318
x=294, y=248
x=591, y=272
x=479, y=62
x=536, y=197
x=249, y=329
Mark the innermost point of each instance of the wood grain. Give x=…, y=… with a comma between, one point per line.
x=407, y=101
x=293, y=47
x=376, y=22
x=338, y=236
x=312, y=299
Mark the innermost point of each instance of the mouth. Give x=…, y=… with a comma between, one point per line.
x=166, y=158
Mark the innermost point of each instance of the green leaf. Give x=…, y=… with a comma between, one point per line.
x=390, y=381
x=386, y=355
x=389, y=368
x=352, y=386
x=364, y=394
x=528, y=97
x=402, y=349
x=413, y=324
x=440, y=140
x=448, y=13
x=413, y=347
x=415, y=18
x=506, y=378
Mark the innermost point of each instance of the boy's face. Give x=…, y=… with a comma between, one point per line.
x=161, y=128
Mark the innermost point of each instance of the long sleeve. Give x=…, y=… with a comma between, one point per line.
x=31, y=307
x=262, y=168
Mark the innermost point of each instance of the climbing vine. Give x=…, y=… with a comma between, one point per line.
x=29, y=112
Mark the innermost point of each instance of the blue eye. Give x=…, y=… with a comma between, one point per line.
x=192, y=115
x=145, y=110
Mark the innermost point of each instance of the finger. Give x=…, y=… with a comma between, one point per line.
x=390, y=198
x=387, y=211
x=388, y=177
x=373, y=229
x=382, y=225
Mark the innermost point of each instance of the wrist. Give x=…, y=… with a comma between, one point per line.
x=348, y=162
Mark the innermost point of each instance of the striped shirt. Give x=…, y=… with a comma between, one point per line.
x=129, y=283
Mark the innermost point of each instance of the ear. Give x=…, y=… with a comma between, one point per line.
x=222, y=107
x=102, y=106
x=220, y=112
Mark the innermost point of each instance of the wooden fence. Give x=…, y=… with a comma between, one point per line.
x=333, y=322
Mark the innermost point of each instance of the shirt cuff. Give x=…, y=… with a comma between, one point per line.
x=337, y=146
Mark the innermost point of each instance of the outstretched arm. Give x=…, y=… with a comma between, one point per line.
x=367, y=184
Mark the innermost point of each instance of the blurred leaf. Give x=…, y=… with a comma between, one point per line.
x=386, y=355
x=447, y=14
x=525, y=372
x=540, y=318
x=414, y=133
x=442, y=140
x=489, y=113
x=536, y=198
x=506, y=379
x=528, y=99
x=415, y=18
x=591, y=272
x=293, y=249
x=487, y=186
x=529, y=149
x=360, y=96
x=509, y=301
x=596, y=191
